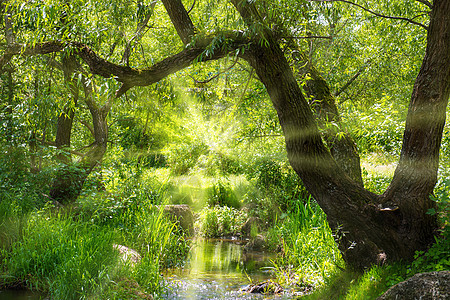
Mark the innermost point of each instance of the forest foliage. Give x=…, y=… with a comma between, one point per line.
x=206, y=136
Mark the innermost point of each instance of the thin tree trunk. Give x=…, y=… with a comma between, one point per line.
x=70, y=180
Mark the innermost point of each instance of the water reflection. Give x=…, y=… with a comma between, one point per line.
x=19, y=295
x=218, y=269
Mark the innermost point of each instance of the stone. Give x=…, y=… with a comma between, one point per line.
x=258, y=243
x=423, y=286
x=182, y=215
x=251, y=223
x=267, y=288
x=127, y=254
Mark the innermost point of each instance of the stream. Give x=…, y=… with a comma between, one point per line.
x=219, y=269
x=216, y=269
x=19, y=295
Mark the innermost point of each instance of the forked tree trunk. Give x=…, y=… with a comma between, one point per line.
x=370, y=228
x=416, y=173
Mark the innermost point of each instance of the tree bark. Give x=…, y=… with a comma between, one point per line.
x=180, y=19
x=416, y=173
x=65, y=119
x=342, y=146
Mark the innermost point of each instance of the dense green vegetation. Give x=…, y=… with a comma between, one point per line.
x=206, y=136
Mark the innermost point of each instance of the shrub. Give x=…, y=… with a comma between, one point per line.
x=217, y=163
x=182, y=158
x=221, y=194
x=220, y=221
x=277, y=189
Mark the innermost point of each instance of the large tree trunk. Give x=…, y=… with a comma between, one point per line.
x=416, y=173
x=368, y=232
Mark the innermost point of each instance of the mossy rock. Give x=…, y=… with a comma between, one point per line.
x=429, y=286
x=267, y=288
x=182, y=215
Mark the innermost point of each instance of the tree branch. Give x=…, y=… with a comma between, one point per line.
x=205, y=48
x=354, y=77
x=215, y=76
x=88, y=126
x=180, y=19
x=137, y=35
x=427, y=3
x=375, y=13
x=192, y=7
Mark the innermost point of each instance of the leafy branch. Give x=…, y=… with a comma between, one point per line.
x=377, y=14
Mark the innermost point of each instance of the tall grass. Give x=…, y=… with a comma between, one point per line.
x=68, y=253
x=69, y=260
x=309, y=251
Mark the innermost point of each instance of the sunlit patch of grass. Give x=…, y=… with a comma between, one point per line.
x=369, y=286
x=378, y=170
x=379, y=163
x=348, y=285
x=309, y=252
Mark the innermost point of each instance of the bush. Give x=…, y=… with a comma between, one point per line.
x=221, y=194
x=20, y=190
x=220, y=221
x=133, y=135
x=182, y=158
x=277, y=189
x=216, y=163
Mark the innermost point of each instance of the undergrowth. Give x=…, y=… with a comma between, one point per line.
x=69, y=252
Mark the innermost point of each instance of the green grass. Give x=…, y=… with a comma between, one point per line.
x=309, y=252
x=352, y=286
x=219, y=221
x=69, y=260
x=68, y=253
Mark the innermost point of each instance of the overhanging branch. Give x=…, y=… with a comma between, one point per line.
x=205, y=48
x=427, y=3
x=377, y=14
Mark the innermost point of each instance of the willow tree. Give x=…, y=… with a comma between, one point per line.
x=371, y=228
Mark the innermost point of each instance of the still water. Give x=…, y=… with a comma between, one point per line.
x=219, y=269
x=19, y=295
